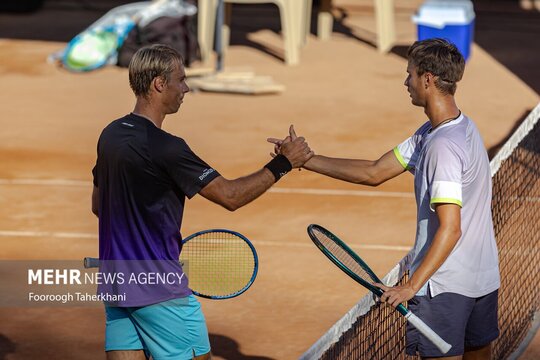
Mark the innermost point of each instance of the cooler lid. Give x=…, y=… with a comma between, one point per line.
x=439, y=13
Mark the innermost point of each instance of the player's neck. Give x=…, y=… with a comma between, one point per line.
x=145, y=110
x=441, y=109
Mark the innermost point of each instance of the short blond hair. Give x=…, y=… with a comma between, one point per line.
x=150, y=62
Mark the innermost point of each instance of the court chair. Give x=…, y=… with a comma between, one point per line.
x=384, y=16
x=295, y=18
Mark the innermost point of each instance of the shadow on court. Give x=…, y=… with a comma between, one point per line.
x=510, y=34
x=44, y=24
x=6, y=347
x=227, y=348
x=492, y=151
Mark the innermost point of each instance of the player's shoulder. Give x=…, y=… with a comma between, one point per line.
x=166, y=147
x=127, y=121
x=454, y=133
x=448, y=140
x=163, y=139
x=114, y=125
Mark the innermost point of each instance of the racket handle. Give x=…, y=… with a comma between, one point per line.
x=428, y=332
x=90, y=262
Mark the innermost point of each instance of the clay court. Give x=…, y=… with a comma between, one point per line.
x=345, y=97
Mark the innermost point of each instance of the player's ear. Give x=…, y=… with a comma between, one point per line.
x=428, y=78
x=159, y=83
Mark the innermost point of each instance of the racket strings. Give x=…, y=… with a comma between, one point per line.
x=343, y=256
x=217, y=263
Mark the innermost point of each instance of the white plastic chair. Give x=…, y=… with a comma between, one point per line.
x=294, y=25
x=384, y=16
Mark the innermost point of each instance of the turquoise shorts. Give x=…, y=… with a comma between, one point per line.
x=173, y=329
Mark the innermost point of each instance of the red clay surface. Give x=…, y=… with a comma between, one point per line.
x=345, y=98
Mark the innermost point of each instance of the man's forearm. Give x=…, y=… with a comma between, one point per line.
x=245, y=189
x=443, y=243
x=233, y=194
x=354, y=171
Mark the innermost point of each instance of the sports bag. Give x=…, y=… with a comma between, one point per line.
x=177, y=32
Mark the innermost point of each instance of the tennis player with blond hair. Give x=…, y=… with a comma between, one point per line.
x=142, y=177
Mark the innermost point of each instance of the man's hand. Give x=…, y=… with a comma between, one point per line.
x=397, y=294
x=293, y=147
x=278, y=142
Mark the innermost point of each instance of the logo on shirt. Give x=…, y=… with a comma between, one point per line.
x=205, y=173
x=128, y=124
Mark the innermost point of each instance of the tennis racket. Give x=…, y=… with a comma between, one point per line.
x=219, y=263
x=348, y=261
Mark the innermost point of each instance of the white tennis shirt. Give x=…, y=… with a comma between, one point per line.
x=450, y=165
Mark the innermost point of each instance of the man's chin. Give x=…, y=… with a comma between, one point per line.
x=173, y=111
x=415, y=103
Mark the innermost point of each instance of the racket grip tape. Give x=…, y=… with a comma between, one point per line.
x=442, y=345
x=90, y=262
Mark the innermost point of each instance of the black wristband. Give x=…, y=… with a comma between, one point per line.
x=279, y=166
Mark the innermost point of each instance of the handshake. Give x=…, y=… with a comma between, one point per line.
x=293, y=147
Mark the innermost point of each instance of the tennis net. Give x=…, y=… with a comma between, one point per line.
x=371, y=330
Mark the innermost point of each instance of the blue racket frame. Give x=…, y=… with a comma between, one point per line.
x=90, y=262
x=255, y=264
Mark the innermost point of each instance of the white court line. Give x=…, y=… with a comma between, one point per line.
x=275, y=190
x=335, y=192
x=46, y=182
x=307, y=244
x=64, y=235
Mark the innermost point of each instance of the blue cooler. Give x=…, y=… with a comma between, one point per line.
x=450, y=20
